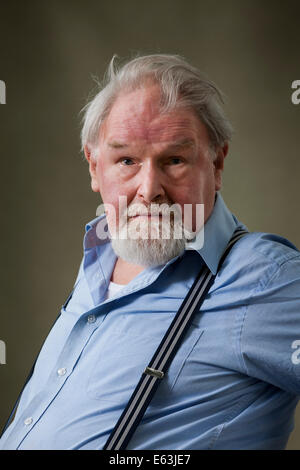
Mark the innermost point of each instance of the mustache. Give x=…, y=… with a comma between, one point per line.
x=163, y=209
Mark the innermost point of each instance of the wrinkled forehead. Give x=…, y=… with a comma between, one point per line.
x=137, y=116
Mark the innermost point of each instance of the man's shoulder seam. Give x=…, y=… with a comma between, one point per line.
x=283, y=244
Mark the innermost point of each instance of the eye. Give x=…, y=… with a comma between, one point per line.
x=126, y=161
x=175, y=161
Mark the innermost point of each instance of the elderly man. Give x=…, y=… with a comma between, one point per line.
x=155, y=138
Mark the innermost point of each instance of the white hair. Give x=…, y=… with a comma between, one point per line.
x=181, y=84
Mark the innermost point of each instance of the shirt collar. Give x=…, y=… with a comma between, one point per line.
x=209, y=242
x=96, y=233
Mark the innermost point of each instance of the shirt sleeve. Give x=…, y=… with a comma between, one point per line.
x=270, y=335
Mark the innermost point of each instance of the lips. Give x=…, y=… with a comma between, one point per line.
x=148, y=216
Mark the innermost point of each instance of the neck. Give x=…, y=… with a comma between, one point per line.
x=124, y=272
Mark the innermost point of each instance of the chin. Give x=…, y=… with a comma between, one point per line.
x=147, y=252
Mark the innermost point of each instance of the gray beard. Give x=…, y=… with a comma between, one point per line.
x=150, y=242
x=148, y=252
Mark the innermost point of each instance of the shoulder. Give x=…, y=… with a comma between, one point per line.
x=272, y=248
x=269, y=321
x=259, y=258
x=265, y=250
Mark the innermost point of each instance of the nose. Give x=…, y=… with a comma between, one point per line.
x=150, y=188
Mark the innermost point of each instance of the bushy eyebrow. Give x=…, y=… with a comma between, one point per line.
x=182, y=144
x=117, y=145
x=176, y=145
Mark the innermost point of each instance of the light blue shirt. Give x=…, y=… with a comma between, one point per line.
x=234, y=382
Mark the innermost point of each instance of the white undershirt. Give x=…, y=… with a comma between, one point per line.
x=113, y=289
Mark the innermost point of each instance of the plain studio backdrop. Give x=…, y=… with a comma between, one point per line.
x=50, y=52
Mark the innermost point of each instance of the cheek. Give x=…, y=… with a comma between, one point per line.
x=110, y=182
x=199, y=189
x=115, y=198
x=108, y=185
x=114, y=208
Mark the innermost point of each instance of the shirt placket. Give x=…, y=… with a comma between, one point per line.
x=78, y=338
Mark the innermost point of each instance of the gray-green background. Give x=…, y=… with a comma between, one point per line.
x=49, y=52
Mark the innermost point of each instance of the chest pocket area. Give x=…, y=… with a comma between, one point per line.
x=121, y=360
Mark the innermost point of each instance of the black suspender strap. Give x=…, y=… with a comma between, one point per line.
x=157, y=368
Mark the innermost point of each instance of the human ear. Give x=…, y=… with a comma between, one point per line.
x=92, y=161
x=221, y=153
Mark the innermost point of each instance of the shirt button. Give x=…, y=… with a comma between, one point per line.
x=28, y=421
x=62, y=371
x=91, y=318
